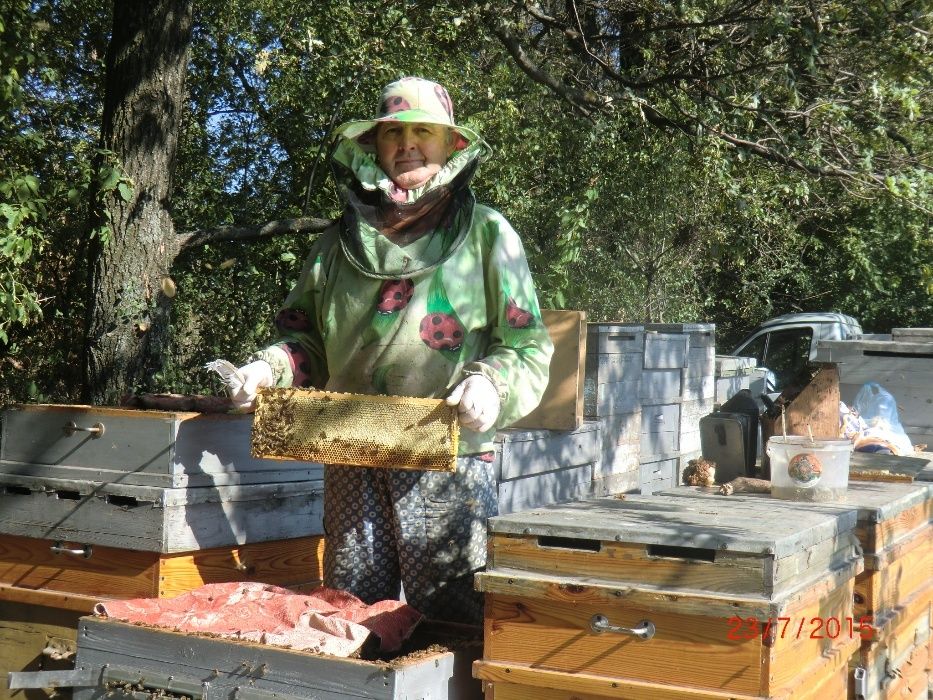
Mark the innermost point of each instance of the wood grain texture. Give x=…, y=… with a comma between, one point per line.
x=896, y=574
x=286, y=563
x=108, y=572
x=28, y=564
x=631, y=563
x=557, y=637
x=561, y=406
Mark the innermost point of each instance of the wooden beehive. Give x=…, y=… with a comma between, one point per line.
x=168, y=449
x=697, y=570
x=153, y=519
x=118, y=660
x=894, y=592
x=396, y=432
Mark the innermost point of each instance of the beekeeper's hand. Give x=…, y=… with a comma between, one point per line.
x=243, y=382
x=477, y=402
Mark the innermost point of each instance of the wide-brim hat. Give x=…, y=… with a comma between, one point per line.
x=410, y=99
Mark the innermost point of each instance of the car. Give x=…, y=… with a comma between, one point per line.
x=786, y=345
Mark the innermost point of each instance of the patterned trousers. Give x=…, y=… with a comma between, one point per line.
x=424, y=531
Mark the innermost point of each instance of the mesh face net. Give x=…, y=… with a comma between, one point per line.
x=372, y=431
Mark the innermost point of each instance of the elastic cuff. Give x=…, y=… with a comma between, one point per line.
x=484, y=370
x=278, y=360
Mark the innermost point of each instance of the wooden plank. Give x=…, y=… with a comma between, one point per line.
x=612, y=338
x=509, y=681
x=286, y=563
x=546, y=488
x=612, y=397
x=292, y=674
x=757, y=527
x=665, y=350
x=118, y=573
x=919, y=465
x=906, y=571
x=631, y=563
x=561, y=406
x=657, y=475
x=791, y=656
x=815, y=410
x=661, y=383
x=685, y=650
x=50, y=599
x=523, y=452
x=616, y=367
x=154, y=519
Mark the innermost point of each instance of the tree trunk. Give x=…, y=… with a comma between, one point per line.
x=127, y=320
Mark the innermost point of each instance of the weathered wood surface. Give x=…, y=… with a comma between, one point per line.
x=291, y=675
x=898, y=573
x=27, y=630
x=660, y=430
x=572, y=588
x=525, y=452
x=665, y=350
x=657, y=475
x=886, y=512
x=614, y=338
x=545, y=488
x=142, y=448
x=561, y=406
x=919, y=465
x=612, y=397
x=158, y=519
x=727, y=526
x=898, y=656
x=29, y=563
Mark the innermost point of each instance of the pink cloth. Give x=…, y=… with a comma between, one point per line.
x=326, y=620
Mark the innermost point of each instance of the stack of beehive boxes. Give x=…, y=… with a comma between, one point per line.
x=612, y=389
x=110, y=503
x=895, y=592
x=677, y=389
x=667, y=597
x=893, y=595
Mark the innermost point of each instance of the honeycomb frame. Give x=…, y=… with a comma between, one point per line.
x=394, y=432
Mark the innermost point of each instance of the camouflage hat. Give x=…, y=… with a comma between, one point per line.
x=410, y=99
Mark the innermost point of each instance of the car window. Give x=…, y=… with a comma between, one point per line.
x=788, y=353
x=754, y=348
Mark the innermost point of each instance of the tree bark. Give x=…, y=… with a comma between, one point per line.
x=128, y=310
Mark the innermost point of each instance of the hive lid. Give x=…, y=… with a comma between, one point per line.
x=740, y=525
x=874, y=502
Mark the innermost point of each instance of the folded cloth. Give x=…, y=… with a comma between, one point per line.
x=326, y=620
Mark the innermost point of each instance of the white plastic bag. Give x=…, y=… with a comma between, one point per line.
x=884, y=432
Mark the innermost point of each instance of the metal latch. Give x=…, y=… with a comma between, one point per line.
x=77, y=678
x=860, y=682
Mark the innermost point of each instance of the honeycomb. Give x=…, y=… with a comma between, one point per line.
x=397, y=432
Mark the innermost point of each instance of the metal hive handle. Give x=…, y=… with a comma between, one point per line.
x=59, y=548
x=96, y=431
x=644, y=631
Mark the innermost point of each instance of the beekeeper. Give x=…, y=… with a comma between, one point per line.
x=417, y=291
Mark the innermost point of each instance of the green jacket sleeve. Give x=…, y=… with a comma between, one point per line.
x=297, y=356
x=519, y=352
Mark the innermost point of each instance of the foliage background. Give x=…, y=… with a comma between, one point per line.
x=625, y=219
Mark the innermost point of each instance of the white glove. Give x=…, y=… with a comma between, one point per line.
x=243, y=382
x=477, y=402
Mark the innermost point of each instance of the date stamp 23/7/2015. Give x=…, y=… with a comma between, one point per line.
x=743, y=628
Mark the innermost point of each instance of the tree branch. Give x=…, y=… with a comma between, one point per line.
x=196, y=239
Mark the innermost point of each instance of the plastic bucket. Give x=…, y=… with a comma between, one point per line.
x=807, y=469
